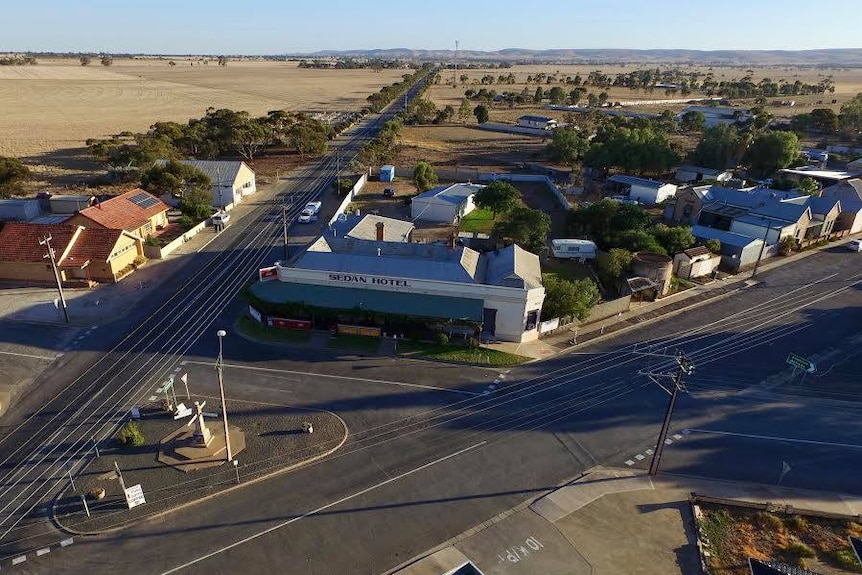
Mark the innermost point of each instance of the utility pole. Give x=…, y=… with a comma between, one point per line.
x=46, y=241
x=684, y=367
x=762, y=248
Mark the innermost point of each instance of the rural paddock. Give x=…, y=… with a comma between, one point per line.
x=58, y=104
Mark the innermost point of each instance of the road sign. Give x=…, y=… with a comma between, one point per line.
x=800, y=362
x=135, y=496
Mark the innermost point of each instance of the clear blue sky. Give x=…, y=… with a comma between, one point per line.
x=289, y=26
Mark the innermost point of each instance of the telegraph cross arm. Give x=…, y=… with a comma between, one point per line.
x=800, y=362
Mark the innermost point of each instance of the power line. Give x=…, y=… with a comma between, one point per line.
x=684, y=367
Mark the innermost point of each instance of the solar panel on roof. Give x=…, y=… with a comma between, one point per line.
x=144, y=200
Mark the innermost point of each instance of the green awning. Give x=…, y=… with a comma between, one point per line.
x=389, y=302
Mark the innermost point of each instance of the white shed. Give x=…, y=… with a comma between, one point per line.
x=231, y=180
x=444, y=204
x=644, y=191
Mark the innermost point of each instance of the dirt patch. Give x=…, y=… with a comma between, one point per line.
x=460, y=145
x=734, y=534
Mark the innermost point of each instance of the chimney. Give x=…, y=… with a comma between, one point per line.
x=380, y=231
x=452, y=241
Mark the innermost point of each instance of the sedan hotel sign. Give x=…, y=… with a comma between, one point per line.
x=369, y=280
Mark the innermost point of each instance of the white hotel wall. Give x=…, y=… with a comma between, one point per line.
x=512, y=304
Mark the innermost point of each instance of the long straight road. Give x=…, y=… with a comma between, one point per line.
x=41, y=443
x=423, y=465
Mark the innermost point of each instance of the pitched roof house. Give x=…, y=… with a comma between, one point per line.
x=135, y=211
x=83, y=255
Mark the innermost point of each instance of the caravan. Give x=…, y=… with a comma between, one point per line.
x=574, y=249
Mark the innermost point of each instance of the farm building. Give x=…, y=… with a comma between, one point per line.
x=387, y=173
x=231, y=180
x=641, y=190
x=695, y=262
x=19, y=210
x=498, y=293
x=696, y=175
x=737, y=251
x=64, y=204
x=537, y=122
x=444, y=204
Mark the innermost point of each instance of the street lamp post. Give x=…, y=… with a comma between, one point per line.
x=219, y=368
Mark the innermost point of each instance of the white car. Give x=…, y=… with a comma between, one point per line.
x=221, y=219
x=309, y=213
x=854, y=245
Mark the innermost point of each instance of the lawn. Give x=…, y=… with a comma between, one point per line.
x=357, y=342
x=479, y=220
x=251, y=328
x=566, y=270
x=477, y=356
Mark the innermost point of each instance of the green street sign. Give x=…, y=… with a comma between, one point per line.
x=800, y=362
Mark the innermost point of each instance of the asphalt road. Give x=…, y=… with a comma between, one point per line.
x=84, y=394
x=424, y=464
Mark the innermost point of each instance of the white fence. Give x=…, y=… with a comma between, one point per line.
x=354, y=191
x=157, y=253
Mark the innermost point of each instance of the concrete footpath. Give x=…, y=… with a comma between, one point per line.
x=644, y=312
x=607, y=522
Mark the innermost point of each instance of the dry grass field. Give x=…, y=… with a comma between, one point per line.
x=455, y=145
x=848, y=82
x=58, y=104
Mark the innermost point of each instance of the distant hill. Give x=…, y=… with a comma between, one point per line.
x=850, y=57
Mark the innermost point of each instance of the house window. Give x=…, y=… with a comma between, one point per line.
x=148, y=227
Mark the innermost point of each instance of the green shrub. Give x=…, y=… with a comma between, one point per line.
x=186, y=222
x=442, y=339
x=151, y=241
x=768, y=521
x=795, y=522
x=130, y=435
x=799, y=549
x=844, y=558
x=473, y=342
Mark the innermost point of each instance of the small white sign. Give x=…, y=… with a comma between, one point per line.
x=182, y=411
x=255, y=314
x=135, y=496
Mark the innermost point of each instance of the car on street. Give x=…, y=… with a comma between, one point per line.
x=220, y=219
x=854, y=245
x=309, y=212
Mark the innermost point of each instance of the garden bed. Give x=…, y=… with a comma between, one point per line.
x=730, y=535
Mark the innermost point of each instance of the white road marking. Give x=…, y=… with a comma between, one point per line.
x=668, y=441
x=686, y=431
x=677, y=436
x=48, y=357
x=322, y=508
x=44, y=551
x=779, y=439
x=153, y=398
x=630, y=462
x=19, y=560
x=66, y=542
x=639, y=457
x=382, y=381
x=649, y=451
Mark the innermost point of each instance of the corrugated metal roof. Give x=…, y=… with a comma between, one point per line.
x=635, y=181
x=408, y=260
x=513, y=267
x=726, y=238
x=397, y=303
x=454, y=194
x=536, y=119
x=219, y=172
x=365, y=228
x=787, y=211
